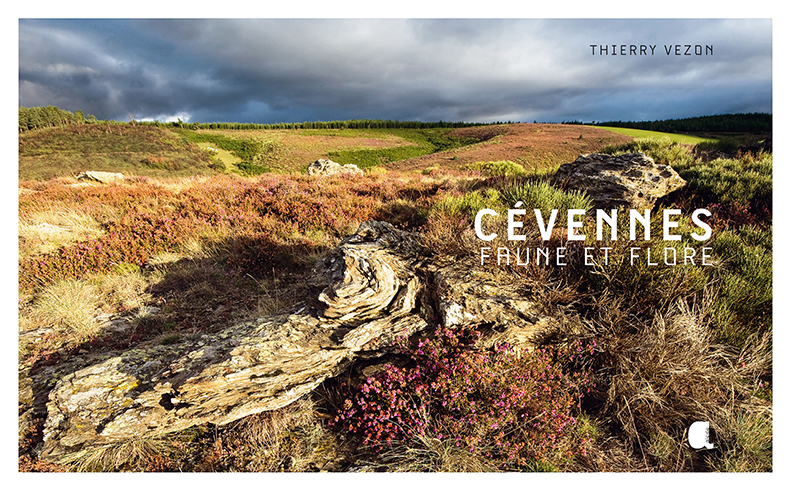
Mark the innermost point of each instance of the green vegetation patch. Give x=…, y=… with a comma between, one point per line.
x=424, y=142
x=251, y=155
x=505, y=168
x=743, y=306
x=541, y=195
x=746, y=180
x=467, y=205
x=532, y=195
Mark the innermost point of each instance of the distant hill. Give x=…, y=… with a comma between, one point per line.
x=131, y=149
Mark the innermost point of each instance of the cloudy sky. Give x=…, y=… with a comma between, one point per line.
x=276, y=70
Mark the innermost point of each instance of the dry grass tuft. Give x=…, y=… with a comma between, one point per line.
x=135, y=455
x=429, y=454
x=662, y=375
x=125, y=291
x=289, y=439
x=46, y=230
x=70, y=305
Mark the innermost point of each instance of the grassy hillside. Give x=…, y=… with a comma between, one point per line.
x=137, y=150
x=177, y=152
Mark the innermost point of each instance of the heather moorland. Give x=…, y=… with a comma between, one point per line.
x=209, y=228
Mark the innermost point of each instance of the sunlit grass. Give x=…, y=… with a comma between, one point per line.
x=642, y=133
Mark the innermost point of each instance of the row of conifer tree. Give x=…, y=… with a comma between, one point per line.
x=31, y=118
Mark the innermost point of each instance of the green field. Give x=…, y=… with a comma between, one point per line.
x=640, y=133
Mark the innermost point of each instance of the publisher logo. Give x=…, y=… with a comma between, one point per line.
x=699, y=436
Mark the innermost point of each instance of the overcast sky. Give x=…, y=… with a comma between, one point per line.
x=268, y=71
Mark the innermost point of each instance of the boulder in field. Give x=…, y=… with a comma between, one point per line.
x=103, y=177
x=632, y=180
x=325, y=166
x=377, y=286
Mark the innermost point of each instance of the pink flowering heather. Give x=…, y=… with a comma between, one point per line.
x=508, y=407
x=267, y=220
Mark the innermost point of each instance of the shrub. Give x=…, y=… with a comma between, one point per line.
x=251, y=169
x=136, y=223
x=541, y=195
x=513, y=408
x=504, y=168
x=260, y=253
x=467, y=205
x=722, y=145
x=747, y=180
x=662, y=150
x=70, y=304
x=132, y=239
x=743, y=303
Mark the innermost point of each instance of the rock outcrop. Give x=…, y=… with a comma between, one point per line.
x=466, y=295
x=103, y=177
x=632, y=180
x=378, y=285
x=324, y=166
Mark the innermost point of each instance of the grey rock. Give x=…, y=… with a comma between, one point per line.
x=632, y=180
x=103, y=177
x=325, y=166
x=247, y=368
x=466, y=295
x=378, y=285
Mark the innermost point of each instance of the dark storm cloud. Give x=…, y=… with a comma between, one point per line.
x=467, y=69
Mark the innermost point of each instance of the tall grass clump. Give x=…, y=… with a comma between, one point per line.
x=467, y=205
x=660, y=374
x=743, y=305
x=449, y=226
x=291, y=438
x=136, y=455
x=747, y=179
x=69, y=304
x=449, y=220
x=645, y=287
x=541, y=195
x=661, y=150
x=505, y=168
